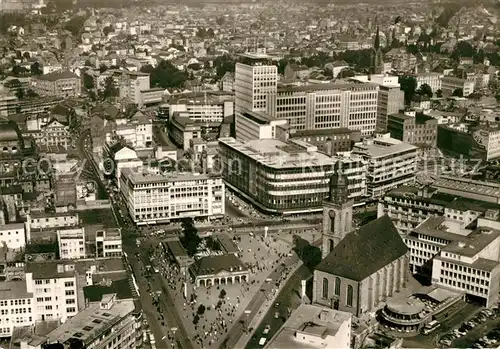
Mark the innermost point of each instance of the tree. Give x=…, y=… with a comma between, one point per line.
x=75, y=25
x=459, y=92
x=224, y=64
x=196, y=319
x=408, y=85
x=26, y=55
x=107, y=30
x=165, y=75
x=110, y=89
x=88, y=81
x=103, y=68
x=20, y=93
x=35, y=69
x=201, y=310
x=31, y=94
x=220, y=20
x=463, y=49
x=222, y=294
x=282, y=65
x=425, y=90
x=190, y=240
x=439, y=93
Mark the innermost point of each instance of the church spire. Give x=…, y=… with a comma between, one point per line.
x=376, y=44
x=338, y=185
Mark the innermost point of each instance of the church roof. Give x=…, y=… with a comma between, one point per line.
x=363, y=252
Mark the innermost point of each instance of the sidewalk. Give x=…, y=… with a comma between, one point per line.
x=242, y=342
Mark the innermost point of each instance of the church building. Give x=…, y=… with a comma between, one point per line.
x=360, y=267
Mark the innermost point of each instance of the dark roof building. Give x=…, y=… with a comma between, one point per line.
x=219, y=270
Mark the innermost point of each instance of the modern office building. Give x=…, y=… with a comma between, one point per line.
x=350, y=105
x=284, y=177
x=420, y=130
x=391, y=163
x=8, y=103
x=470, y=264
x=253, y=125
x=203, y=107
x=391, y=99
x=255, y=84
x=61, y=84
x=152, y=198
x=408, y=206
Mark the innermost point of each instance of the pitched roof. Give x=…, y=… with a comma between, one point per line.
x=58, y=76
x=363, y=252
x=212, y=265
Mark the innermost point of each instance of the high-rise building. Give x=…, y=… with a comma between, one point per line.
x=255, y=85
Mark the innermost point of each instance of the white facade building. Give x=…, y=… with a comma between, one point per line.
x=13, y=235
x=203, y=110
x=16, y=307
x=252, y=125
x=71, y=243
x=432, y=79
x=54, y=289
x=137, y=131
x=255, y=87
x=391, y=163
x=152, y=198
x=108, y=243
x=350, y=105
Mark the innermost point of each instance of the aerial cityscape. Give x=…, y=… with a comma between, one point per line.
x=245, y=174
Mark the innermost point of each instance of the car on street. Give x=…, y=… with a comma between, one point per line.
x=276, y=315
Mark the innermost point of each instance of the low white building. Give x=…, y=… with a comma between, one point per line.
x=253, y=125
x=137, y=131
x=13, y=235
x=108, y=243
x=313, y=326
x=16, y=307
x=434, y=80
x=71, y=243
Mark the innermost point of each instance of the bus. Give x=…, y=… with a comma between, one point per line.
x=431, y=327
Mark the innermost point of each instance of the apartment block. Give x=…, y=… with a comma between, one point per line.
x=153, y=198
x=16, y=307
x=449, y=84
x=71, y=243
x=136, y=131
x=61, y=84
x=54, y=289
x=432, y=79
x=391, y=163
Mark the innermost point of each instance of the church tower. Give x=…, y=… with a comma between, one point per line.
x=337, y=211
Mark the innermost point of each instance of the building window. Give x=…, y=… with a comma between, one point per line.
x=337, y=286
x=350, y=294
x=325, y=288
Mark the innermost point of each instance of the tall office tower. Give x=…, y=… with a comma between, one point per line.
x=255, y=84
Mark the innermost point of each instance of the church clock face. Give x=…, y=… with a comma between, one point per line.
x=331, y=214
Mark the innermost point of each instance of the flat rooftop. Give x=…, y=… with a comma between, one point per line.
x=311, y=319
x=406, y=306
x=473, y=243
x=468, y=186
x=91, y=322
x=441, y=228
x=14, y=290
x=383, y=147
x=340, y=86
x=278, y=154
x=145, y=177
